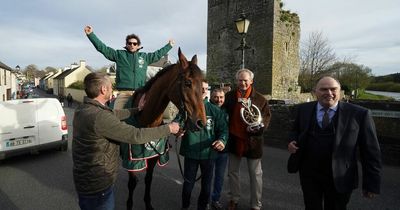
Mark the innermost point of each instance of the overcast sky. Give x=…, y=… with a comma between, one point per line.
x=50, y=32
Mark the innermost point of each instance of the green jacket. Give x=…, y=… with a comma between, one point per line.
x=131, y=67
x=197, y=144
x=97, y=132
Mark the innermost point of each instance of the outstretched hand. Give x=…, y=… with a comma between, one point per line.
x=88, y=30
x=171, y=42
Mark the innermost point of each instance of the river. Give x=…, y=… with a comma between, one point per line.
x=394, y=95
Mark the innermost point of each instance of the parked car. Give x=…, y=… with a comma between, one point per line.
x=34, y=124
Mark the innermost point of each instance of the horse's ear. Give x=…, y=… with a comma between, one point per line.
x=194, y=59
x=182, y=59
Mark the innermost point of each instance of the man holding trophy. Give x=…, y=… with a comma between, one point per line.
x=249, y=115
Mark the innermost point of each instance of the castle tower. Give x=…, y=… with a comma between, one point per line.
x=273, y=37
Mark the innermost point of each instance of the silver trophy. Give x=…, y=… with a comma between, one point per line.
x=251, y=114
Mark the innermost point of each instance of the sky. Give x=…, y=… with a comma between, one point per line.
x=50, y=33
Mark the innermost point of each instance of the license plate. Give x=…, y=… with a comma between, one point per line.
x=18, y=142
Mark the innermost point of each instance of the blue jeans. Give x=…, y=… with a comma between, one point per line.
x=103, y=200
x=219, y=173
x=190, y=171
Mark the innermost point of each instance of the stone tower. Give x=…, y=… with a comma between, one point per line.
x=273, y=37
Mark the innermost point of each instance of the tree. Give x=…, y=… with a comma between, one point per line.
x=351, y=76
x=50, y=69
x=31, y=71
x=315, y=56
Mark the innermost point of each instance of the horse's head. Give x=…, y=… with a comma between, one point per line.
x=188, y=95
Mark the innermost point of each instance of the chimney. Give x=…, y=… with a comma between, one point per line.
x=74, y=65
x=82, y=63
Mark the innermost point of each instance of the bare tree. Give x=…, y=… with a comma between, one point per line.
x=315, y=56
x=31, y=71
x=50, y=69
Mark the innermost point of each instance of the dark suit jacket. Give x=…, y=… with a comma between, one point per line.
x=355, y=128
x=255, y=143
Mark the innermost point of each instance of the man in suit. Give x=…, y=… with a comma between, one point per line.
x=323, y=147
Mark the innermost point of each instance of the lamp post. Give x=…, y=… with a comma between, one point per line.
x=17, y=81
x=242, y=25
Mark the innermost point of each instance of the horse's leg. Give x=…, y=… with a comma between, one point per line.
x=147, y=180
x=133, y=180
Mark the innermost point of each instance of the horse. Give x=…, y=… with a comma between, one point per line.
x=180, y=84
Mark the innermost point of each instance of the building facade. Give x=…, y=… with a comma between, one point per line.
x=273, y=40
x=8, y=83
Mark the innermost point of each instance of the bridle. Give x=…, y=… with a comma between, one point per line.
x=184, y=121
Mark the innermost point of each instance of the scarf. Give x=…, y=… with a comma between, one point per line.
x=237, y=126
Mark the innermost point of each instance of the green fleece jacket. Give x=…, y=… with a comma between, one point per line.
x=198, y=144
x=131, y=67
x=97, y=132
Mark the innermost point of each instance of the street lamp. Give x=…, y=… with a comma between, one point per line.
x=242, y=25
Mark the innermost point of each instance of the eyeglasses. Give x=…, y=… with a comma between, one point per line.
x=133, y=43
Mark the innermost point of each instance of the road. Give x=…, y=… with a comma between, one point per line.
x=44, y=182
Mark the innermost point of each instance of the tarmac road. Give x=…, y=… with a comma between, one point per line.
x=44, y=182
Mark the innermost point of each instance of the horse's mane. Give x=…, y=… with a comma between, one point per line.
x=149, y=83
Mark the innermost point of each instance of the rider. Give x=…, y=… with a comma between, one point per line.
x=131, y=64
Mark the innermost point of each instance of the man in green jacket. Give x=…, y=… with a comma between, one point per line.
x=200, y=148
x=131, y=64
x=97, y=134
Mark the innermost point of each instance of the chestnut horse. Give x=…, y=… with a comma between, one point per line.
x=179, y=83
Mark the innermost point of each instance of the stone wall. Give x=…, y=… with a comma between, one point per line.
x=387, y=129
x=285, y=57
x=273, y=38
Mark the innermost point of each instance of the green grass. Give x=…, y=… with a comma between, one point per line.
x=385, y=86
x=369, y=96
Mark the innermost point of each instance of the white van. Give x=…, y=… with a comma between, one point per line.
x=28, y=125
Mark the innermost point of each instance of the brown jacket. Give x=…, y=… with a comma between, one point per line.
x=97, y=131
x=255, y=143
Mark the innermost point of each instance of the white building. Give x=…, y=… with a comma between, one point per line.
x=8, y=83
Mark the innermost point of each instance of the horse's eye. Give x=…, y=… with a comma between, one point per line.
x=188, y=83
